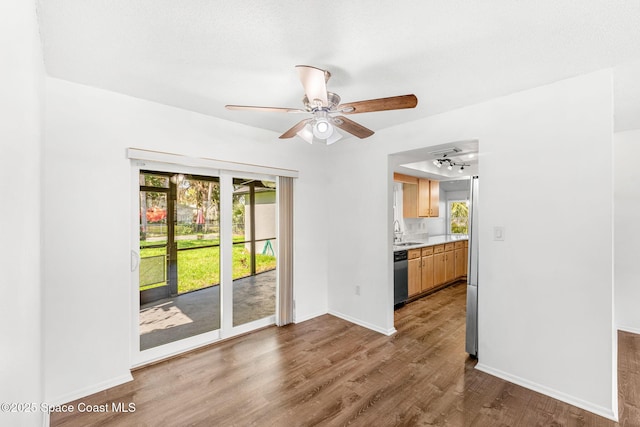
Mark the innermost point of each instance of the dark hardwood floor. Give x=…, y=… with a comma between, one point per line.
x=327, y=371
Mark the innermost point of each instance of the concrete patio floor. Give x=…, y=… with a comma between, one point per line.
x=194, y=313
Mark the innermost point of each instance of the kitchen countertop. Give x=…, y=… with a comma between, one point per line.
x=430, y=241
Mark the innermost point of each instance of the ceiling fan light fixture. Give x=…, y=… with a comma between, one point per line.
x=322, y=126
x=322, y=129
x=336, y=136
x=306, y=133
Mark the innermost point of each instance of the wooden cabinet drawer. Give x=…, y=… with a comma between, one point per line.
x=427, y=251
x=438, y=249
x=448, y=247
x=414, y=253
x=459, y=245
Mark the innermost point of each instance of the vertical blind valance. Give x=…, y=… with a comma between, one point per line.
x=202, y=162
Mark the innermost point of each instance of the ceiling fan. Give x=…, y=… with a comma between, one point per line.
x=327, y=111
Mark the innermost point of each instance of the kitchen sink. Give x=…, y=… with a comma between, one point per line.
x=406, y=243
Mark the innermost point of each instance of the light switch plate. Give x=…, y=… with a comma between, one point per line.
x=498, y=233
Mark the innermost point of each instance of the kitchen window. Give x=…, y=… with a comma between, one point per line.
x=458, y=214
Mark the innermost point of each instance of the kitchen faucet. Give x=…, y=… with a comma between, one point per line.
x=397, y=233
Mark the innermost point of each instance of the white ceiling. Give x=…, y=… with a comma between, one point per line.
x=419, y=162
x=202, y=54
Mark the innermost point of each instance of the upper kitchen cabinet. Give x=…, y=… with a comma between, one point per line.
x=420, y=197
x=428, y=198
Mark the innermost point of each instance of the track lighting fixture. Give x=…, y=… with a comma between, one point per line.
x=450, y=164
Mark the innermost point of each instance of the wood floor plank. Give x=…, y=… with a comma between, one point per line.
x=327, y=371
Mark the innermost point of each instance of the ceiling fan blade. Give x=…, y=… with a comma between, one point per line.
x=314, y=82
x=352, y=127
x=295, y=129
x=380, y=104
x=270, y=109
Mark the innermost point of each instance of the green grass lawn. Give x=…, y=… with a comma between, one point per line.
x=198, y=268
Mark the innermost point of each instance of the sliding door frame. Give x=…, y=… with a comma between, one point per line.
x=163, y=162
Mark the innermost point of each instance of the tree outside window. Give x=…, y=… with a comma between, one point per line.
x=459, y=217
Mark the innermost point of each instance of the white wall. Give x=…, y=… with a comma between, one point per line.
x=627, y=229
x=546, y=305
x=87, y=183
x=455, y=195
x=21, y=86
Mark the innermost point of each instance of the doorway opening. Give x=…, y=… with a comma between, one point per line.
x=430, y=226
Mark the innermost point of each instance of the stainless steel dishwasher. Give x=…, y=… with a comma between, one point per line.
x=400, y=278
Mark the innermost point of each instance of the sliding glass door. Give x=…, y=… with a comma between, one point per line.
x=179, y=257
x=192, y=228
x=254, y=250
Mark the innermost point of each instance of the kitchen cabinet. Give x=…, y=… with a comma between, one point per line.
x=409, y=200
x=428, y=198
x=427, y=268
x=438, y=265
x=414, y=272
x=449, y=263
x=432, y=266
x=460, y=254
x=420, y=197
x=443, y=264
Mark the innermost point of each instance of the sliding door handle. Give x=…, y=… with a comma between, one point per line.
x=135, y=260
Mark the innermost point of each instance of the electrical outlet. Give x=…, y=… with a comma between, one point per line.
x=357, y=289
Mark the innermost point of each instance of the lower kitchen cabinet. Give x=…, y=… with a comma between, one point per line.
x=438, y=265
x=427, y=268
x=414, y=272
x=433, y=266
x=449, y=263
x=460, y=260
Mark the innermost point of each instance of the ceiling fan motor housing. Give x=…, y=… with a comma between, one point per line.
x=333, y=100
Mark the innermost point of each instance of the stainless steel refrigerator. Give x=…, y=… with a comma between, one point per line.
x=471, y=346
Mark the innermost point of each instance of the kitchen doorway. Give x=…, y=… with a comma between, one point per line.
x=431, y=214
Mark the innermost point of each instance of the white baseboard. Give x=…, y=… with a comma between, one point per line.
x=89, y=390
x=587, y=406
x=304, y=318
x=359, y=322
x=629, y=329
